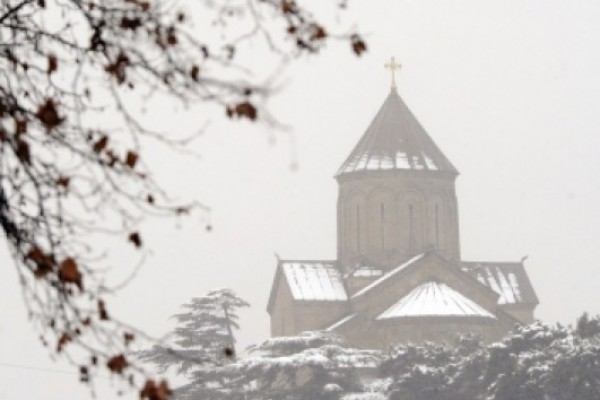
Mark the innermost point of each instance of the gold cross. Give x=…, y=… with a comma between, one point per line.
x=393, y=66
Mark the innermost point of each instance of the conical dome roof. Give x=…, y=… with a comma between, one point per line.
x=395, y=140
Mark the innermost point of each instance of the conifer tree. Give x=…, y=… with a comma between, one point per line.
x=204, y=336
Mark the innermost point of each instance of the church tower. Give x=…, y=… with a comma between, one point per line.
x=398, y=276
x=396, y=193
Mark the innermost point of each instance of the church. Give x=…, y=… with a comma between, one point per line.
x=399, y=276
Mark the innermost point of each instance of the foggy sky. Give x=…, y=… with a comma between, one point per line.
x=510, y=92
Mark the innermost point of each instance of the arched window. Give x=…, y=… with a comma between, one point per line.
x=358, y=250
x=436, y=224
x=411, y=227
x=382, y=225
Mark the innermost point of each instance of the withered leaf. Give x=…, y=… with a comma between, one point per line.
x=246, y=109
x=288, y=7
x=69, y=272
x=131, y=23
x=43, y=262
x=102, y=310
x=52, y=64
x=117, y=68
x=20, y=126
x=63, y=181
x=318, y=33
x=62, y=341
x=152, y=391
x=128, y=338
x=358, y=45
x=22, y=151
x=195, y=72
x=171, y=36
x=48, y=115
x=131, y=159
x=100, y=144
x=36, y=254
x=229, y=352
x=136, y=239
x=117, y=364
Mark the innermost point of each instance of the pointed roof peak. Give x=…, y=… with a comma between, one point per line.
x=395, y=140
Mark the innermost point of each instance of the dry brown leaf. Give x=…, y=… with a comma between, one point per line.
x=131, y=159
x=136, y=239
x=117, y=364
x=69, y=272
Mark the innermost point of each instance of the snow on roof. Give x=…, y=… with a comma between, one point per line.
x=340, y=323
x=395, y=140
x=435, y=299
x=366, y=272
x=509, y=280
x=314, y=280
x=388, y=275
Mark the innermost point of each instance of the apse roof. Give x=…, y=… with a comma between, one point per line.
x=434, y=299
x=314, y=280
x=395, y=140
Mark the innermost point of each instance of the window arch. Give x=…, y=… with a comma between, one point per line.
x=438, y=222
x=411, y=213
x=381, y=221
x=352, y=225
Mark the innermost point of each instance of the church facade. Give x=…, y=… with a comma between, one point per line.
x=399, y=276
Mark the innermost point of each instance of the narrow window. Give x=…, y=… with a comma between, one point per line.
x=437, y=226
x=381, y=223
x=411, y=227
x=357, y=229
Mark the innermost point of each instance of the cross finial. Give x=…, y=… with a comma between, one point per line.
x=393, y=66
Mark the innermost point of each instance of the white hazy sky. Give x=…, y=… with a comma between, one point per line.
x=509, y=90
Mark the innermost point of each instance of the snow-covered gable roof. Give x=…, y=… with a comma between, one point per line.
x=314, y=280
x=509, y=280
x=388, y=275
x=395, y=140
x=434, y=299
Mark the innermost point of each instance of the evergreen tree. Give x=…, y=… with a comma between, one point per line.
x=313, y=365
x=203, y=337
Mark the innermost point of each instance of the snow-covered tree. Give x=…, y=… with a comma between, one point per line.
x=535, y=362
x=204, y=336
x=313, y=365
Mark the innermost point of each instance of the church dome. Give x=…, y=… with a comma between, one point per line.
x=395, y=140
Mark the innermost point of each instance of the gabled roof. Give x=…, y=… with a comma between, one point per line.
x=508, y=279
x=435, y=299
x=395, y=140
x=314, y=280
x=388, y=275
